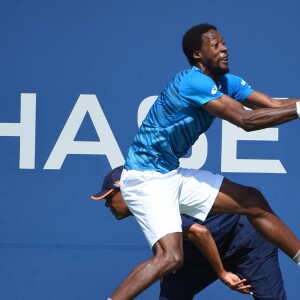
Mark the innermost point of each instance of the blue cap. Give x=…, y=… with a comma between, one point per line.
x=111, y=181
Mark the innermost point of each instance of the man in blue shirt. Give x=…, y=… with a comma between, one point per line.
x=242, y=250
x=152, y=181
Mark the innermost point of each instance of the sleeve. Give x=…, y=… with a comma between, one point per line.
x=239, y=89
x=199, y=89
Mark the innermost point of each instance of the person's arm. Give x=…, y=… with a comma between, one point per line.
x=202, y=239
x=260, y=100
x=267, y=112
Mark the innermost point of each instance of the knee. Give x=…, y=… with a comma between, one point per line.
x=169, y=253
x=175, y=260
x=171, y=260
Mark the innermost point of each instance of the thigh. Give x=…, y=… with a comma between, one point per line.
x=171, y=243
x=262, y=270
x=255, y=259
x=237, y=198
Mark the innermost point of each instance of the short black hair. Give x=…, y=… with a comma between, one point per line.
x=192, y=40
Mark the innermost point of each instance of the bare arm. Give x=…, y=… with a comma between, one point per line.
x=202, y=239
x=260, y=100
x=267, y=112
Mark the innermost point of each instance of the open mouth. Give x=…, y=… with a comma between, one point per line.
x=224, y=59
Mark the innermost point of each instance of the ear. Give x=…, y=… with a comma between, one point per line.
x=197, y=54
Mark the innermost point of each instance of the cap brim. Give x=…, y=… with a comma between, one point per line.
x=101, y=195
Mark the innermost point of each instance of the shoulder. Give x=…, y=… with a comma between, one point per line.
x=233, y=80
x=196, y=78
x=198, y=87
x=234, y=86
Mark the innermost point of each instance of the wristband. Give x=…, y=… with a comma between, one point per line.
x=298, y=108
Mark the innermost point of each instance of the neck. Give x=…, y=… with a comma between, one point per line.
x=207, y=72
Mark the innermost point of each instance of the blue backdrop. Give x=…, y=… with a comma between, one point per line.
x=76, y=77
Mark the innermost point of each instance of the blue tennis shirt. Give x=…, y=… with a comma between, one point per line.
x=177, y=119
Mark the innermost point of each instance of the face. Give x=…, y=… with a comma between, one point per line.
x=114, y=201
x=213, y=57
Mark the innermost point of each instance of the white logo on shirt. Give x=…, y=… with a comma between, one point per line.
x=243, y=82
x=214, y=89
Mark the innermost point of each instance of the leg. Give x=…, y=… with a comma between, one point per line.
x=153, y=199
x=188, y=281
x=252, y=257
x=168, y=257
x=261, y=267
x=235, y=198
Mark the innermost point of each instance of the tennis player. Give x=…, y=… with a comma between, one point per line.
x=152, y=180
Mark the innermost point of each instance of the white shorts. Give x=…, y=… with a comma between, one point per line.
x=157, y=200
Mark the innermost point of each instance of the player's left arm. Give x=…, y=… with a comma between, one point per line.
x=260, y=100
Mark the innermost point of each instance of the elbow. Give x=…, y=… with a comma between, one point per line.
x=248, y=124
x=248, y=127
x=198, y=233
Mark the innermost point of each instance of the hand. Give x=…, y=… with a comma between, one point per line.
x=236, y=284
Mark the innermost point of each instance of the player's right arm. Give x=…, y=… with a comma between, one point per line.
x=266, y=112
x=234, y=112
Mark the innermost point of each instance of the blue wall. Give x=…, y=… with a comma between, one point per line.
x=73, y=75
